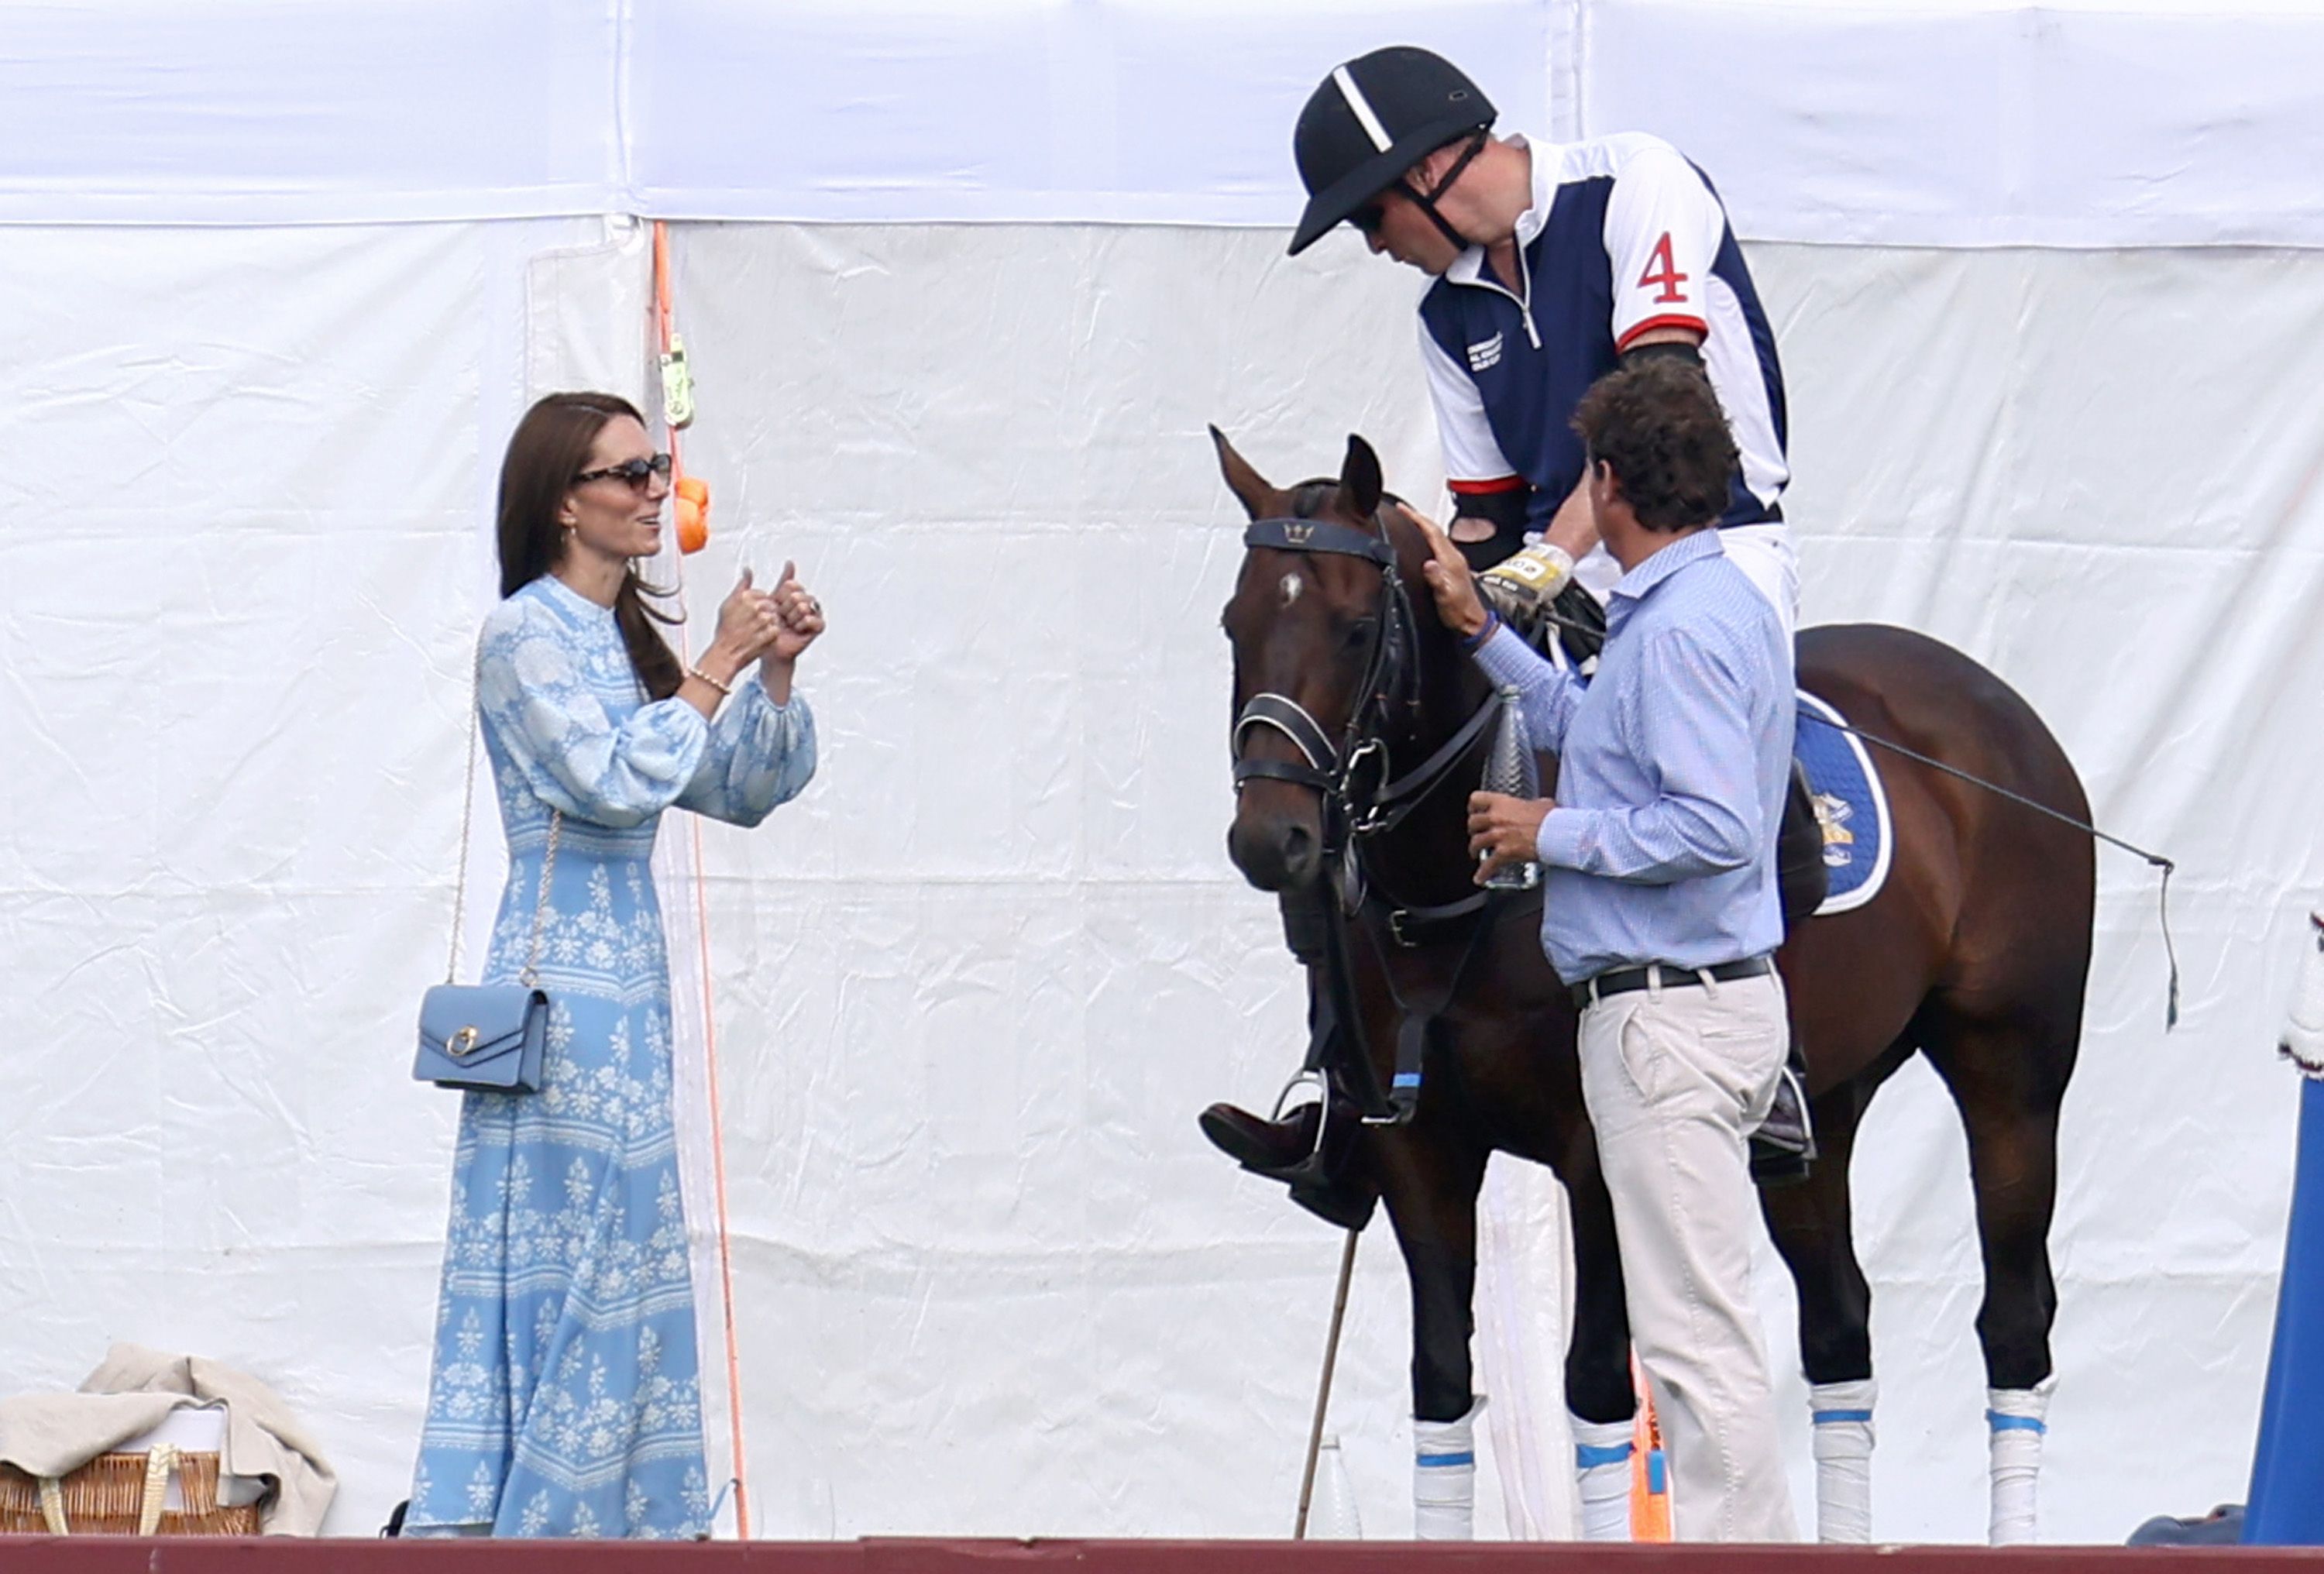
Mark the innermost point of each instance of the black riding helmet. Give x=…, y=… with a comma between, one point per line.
x=1372, y=120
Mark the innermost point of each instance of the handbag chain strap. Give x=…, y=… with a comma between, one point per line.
x=530, y=976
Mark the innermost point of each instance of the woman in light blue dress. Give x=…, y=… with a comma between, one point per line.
x=566, y=1398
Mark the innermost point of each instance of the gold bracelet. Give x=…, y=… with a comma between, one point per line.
x=696, y=671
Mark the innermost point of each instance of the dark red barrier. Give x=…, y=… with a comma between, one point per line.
x=124, y=1555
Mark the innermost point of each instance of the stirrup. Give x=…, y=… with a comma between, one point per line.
x=1781, y=1158
x=1313, y=1162
x=1800, y=1140
x=1331, y=1197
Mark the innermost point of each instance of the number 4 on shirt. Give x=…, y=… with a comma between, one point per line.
x=1661, y=269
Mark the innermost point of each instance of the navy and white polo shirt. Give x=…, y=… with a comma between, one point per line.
x=1624, y=235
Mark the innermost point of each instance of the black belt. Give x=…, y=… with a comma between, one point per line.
x=1621, y=980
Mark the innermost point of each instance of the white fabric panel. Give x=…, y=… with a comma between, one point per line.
x=1123, y=110
x=241, y=572
x=1970, y=122
x=280, y=111
x=2071, y=124
x=1524, y=1305
x=588, y=323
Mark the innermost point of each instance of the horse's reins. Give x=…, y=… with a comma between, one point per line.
x=2153, y=860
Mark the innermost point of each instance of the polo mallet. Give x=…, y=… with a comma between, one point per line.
x=1323, y=1385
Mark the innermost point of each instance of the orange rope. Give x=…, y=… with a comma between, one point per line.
x=710, y=1014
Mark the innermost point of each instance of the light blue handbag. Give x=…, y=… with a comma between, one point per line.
x=489, y=1037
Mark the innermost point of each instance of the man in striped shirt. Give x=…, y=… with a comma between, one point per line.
x=1660, y=908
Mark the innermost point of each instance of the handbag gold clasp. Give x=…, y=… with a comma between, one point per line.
x=460, y=1042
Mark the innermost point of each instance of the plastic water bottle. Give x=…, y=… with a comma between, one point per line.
x=1331, y=1512
x=1512, y=768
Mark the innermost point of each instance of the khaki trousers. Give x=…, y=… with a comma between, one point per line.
x=1676, y=1077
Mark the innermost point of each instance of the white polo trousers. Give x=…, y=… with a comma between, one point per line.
x=1763, y=552
x=1765, y=555
x=1674, y=1078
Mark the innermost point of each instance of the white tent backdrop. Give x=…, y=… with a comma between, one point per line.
x=2083, y=123
x=971, y=989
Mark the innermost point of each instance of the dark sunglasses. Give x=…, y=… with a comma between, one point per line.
x=1370, y=218
x=633, y=471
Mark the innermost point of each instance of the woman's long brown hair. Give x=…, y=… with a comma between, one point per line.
x=548, y=449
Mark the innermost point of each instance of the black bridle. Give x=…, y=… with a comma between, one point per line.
x=1361, y=799
x=1352, y=776
x=1324, y=766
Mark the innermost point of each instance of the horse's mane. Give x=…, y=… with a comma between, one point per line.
x=1311, y=495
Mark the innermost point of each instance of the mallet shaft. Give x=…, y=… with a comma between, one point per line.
x=1323, y=1386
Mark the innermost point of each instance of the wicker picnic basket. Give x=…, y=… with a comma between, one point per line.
x=122, y=1495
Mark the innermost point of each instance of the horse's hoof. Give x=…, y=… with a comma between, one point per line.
x=1262, y=1144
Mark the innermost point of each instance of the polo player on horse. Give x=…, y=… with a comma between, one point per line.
x=1553, y=264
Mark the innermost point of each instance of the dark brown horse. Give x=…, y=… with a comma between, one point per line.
x=1975, y=952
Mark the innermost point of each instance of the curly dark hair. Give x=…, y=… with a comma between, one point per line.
x=1658, y=424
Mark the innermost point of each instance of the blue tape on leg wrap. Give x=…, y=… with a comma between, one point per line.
x=1439, y=1461
x=1590, y=1456
x=1834, y=1417
x=2000, y=1422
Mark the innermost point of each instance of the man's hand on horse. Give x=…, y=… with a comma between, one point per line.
x=1503, y=830
x=1447, y=573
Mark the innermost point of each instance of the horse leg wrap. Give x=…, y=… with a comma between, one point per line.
x=1601, y=1461
x=2016, y=1417
x=1841, y=1423
x=1445, y=1478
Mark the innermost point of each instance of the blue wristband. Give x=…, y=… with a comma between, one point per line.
x=1472, y=643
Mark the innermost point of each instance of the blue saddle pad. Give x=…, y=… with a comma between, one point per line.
x=1850, y=802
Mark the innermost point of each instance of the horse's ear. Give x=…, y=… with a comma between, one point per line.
x=1258, y=500
x=1360, y=479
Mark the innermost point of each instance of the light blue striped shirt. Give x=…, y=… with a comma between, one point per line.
x=1674, y=761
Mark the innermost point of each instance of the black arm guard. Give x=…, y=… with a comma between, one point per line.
x=1505, y=511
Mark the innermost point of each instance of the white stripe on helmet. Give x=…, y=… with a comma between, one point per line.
x=1362, y=106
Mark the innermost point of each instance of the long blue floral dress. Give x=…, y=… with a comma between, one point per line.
x=566, y=1397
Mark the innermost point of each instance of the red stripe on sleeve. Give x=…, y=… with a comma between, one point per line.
x=1669, y=321
x=1484, y=488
